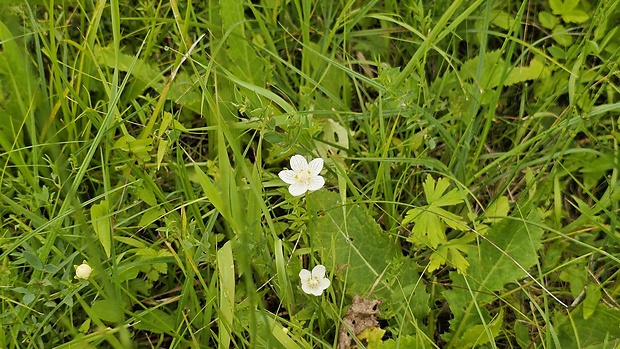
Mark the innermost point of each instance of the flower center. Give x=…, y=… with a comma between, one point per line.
x=303, y=176
x=313, y=282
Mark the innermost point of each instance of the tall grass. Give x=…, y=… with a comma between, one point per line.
x=471, y=167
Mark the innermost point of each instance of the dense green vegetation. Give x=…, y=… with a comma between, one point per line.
x=470, y=155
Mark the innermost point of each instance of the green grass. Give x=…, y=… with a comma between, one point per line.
x=471, y=166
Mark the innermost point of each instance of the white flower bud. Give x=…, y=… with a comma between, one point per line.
x=83, y=271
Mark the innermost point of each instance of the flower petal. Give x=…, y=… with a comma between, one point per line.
x=315, y=166
x=318, y=271
x=307, y=289
x=287, y=176
x=305, y=275
x=324, y=284
x=297, y=189
x=316, y=183
x=298, y=163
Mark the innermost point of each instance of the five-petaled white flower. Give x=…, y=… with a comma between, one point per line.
x=314, y=282
x=303, y=176
x=83, y=271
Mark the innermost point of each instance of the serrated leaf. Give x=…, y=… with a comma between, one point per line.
x=513, y=249
x=547, y=20
x=101, y=224
x=452, y=252
x=560, y=35
x=599, y=331
x=353, y=239
x=502, y=19
x=575, y=16
x=559, y=6
x=427, y=229
x=372, y=336
x=521, y=74
x=434, y=190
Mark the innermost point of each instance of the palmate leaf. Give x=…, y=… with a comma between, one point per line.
x=510, y=250
x=452, y=252
x=431, y=220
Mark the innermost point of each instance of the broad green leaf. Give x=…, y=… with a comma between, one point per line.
x=108, y=310
x=358, y=242
x=33, y=260
x=499, y=208
x=493, y=67
x=576, y=275
x=502, y=19
x=151, y=215
x=99, y=214
x=18, y=100
x=593, y=297
x=513, y=251
x=155, y=321
x=361, y=251
x=599, y=331
x=521, y=74
x=575, y=16
x=547, y=20
x=372, y=336
x=245, y=64
x=182, y=89
x=561, y=6
x=479, y=334
x=561, y=36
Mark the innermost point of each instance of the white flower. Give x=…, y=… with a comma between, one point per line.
x=314, y=283
x=303, y=176
x=83, y=271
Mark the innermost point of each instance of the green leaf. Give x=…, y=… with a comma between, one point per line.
x=428, y=228
x=559, y=7
x=593, y=297
x=510, y=250
x=575, y=16
x=452, y=252
x=498, y=209
x=181, y=91
x=353, y=239
x=431, y=220
x=155, y=321
x=226, y=279
x=547, y=20
x=479, y=334
x=99, y=214
x=561, y=36
x=599, y=331
x=151, y=215
x=108, y=310
x=33, y=260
